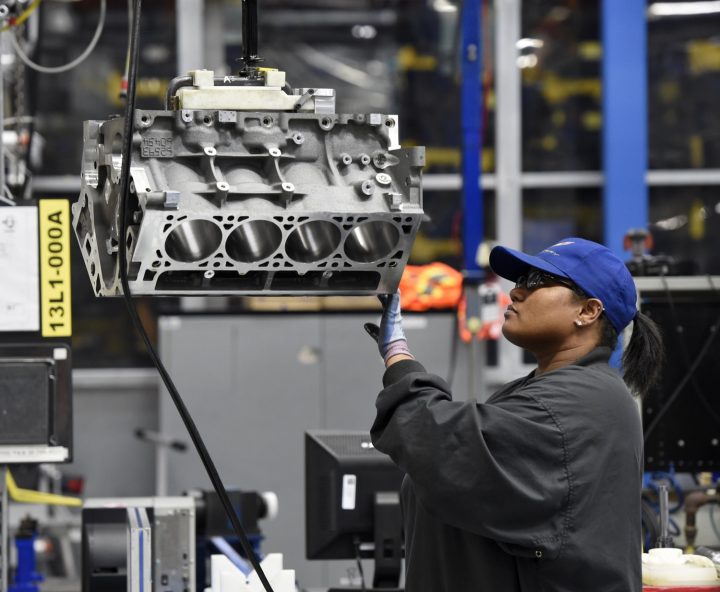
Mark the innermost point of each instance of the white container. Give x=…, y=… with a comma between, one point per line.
x=669, y=567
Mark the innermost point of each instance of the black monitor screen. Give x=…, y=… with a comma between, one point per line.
x=681, y=416
x=343, y=474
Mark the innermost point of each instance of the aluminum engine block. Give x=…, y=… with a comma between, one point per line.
x=254, y=202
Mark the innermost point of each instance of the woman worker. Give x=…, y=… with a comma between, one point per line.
x=538, y=489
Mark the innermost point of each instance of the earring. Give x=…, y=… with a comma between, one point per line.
x=578, y=323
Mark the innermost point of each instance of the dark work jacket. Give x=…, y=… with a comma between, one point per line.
x=537, y=490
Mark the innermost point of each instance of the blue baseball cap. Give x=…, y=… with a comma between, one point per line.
x=591, y=266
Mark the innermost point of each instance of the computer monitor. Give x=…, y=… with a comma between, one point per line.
x=684, y=409
x=352, y=502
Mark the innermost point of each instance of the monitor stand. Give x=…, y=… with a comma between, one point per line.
x=388, y=545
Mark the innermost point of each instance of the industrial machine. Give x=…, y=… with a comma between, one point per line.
x=681, y=415
x=166, y=543
x=35, y=427
x=245, y=186
x=214, y=531
x=135, y=544
x=35, y=403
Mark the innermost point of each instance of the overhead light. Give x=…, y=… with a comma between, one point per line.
x=661, y=9
x=528, y=43
x=444, y=6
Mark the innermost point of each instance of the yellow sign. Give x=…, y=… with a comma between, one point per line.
x=55, y=295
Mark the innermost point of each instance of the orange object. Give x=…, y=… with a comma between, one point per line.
x=424, y=287
x=486, y=323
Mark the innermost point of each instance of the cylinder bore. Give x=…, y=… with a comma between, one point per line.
x=371, y=241
x=253, y=241
x=312, y=241
x=193, y=240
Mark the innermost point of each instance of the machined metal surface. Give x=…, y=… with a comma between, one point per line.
x=250, y=202
x=173, y=544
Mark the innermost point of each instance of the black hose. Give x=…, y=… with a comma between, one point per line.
x=177, y=399
x=358, y=559
x=250, y=32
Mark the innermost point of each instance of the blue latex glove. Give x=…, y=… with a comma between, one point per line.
x=389, y=336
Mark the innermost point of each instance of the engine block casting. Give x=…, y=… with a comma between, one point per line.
x=250, y=202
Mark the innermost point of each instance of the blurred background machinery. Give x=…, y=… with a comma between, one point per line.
x=390, y=58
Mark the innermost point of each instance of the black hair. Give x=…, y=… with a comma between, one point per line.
x=644, y=355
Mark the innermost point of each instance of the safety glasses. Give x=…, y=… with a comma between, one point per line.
x=538, y=279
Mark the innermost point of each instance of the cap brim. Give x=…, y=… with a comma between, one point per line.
x=511, y=264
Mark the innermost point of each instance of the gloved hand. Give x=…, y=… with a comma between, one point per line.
x=389, y=336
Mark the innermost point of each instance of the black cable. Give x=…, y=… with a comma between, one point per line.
x=250, y=31
x=358, y=558
x=703, y=351
x=122, y=251
x=651, y=524
x=684, y=350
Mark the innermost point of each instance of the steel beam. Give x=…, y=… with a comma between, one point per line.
x=507, y=123
x=190, y=35
x=472, y=106
x=508, y=138
x=625, y=137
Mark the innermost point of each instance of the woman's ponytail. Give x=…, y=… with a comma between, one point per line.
x=644, y=356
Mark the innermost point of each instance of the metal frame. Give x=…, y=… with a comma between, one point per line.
x=508, y=115
x=190, y=36
x=453, y=181
x=677, y=283
x=509, y=180
x=543, y=180
x=508, y=138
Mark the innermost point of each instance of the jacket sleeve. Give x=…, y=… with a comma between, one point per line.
x=498, y=470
